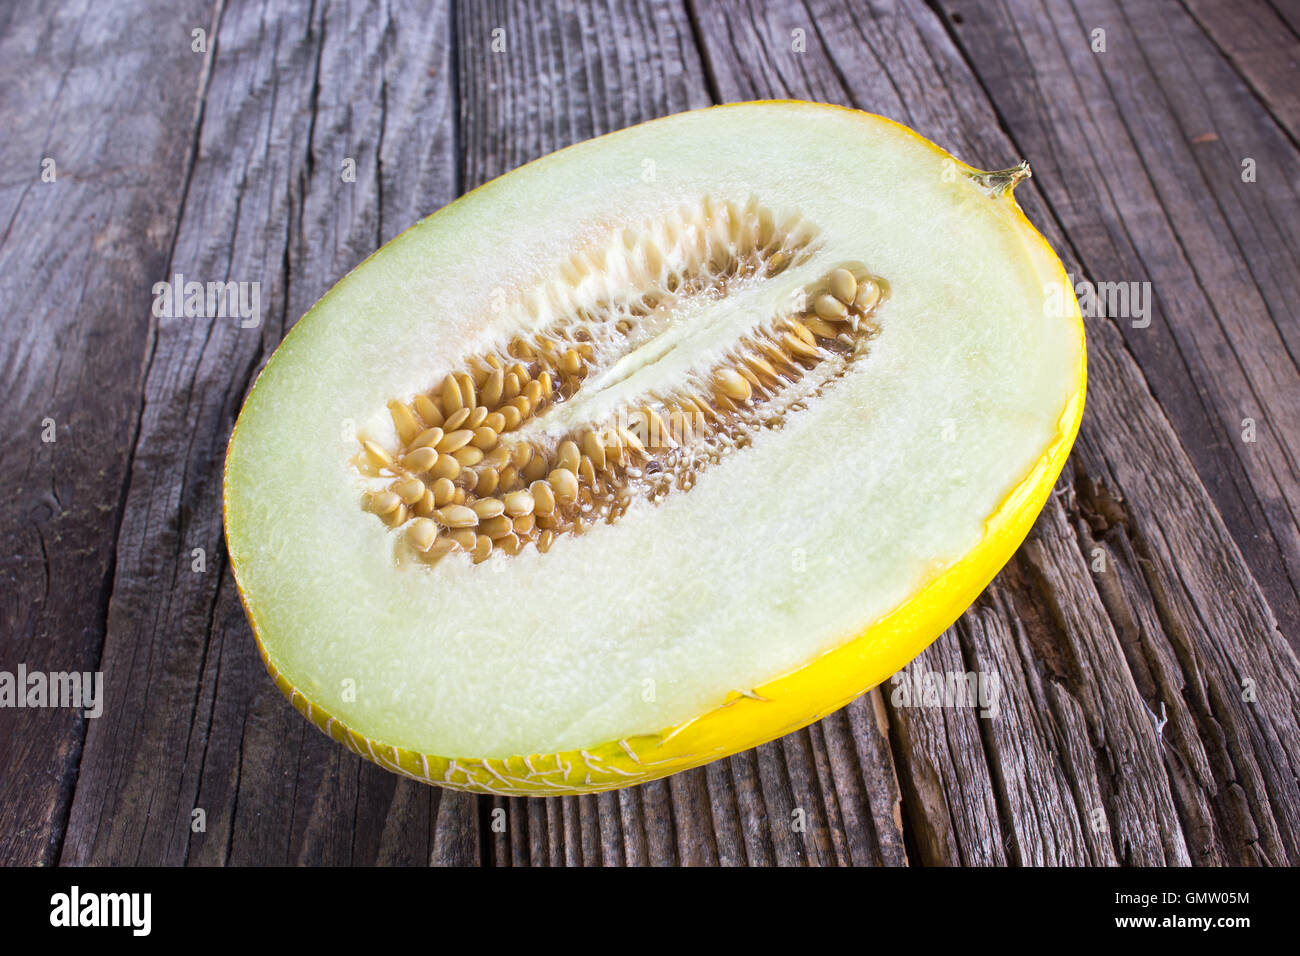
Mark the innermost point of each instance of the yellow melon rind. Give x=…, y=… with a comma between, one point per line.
x=752, y=717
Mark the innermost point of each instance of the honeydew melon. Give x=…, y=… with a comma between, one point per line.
x=652, y=450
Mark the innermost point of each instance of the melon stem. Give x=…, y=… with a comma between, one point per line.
x=1001, y=182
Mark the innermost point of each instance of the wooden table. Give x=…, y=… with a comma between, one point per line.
x=1144, y=635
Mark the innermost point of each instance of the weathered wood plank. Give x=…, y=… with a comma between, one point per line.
x=950, y=807
x=1080, y=738
x=77, y=258
x=1262, y=47
x=296, y=91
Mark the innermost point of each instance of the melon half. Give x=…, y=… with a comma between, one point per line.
x=653, y=450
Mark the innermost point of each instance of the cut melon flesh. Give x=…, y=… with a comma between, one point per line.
x=796, y=571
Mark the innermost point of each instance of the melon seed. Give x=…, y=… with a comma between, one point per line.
x=843, y=285
x=564, y=483
x=492, y=389
x=404, y=421
x=497, y=492
x=469, y=456
x=732, y=384
x=420, y=460
x=427, y=410
x=543, y=497
x=497, y=527
x=453, y=441
x=410, y=490
x=830, y=308
x=819, y=326
x=511, y=388
x=798, y=346
x=519, y=503
x=378, y=456
x=594, y=449
x=488, y=507
x=451, y=398
x=456, y=516
x=567, y=455
x=443, y=491
x=867, y=297
x=466, y=384
x=422, y=532
x=428, y=438
x=445, y=467
x=456, y=419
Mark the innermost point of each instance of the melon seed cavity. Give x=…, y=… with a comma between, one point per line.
x=481, y=465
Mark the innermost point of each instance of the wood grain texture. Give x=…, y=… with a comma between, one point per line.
x=1261, y=45
x=77, y=258
x=1147, y=697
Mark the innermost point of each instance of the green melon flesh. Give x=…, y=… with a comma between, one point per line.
x=780, y=552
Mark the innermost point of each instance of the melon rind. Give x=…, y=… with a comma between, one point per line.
x=776, y=707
